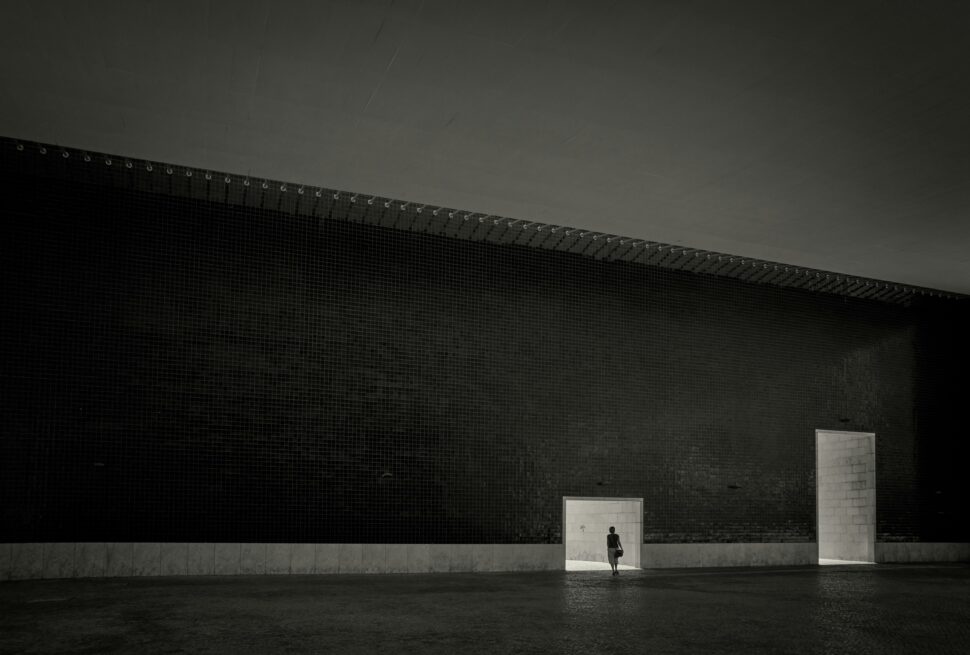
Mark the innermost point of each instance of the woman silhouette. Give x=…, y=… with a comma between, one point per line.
x=612, y=543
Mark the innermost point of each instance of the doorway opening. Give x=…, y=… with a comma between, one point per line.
x=845, y=483
x=586, y=522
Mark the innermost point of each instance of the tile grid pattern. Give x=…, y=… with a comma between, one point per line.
x=185, y=368
x=846, y=497
x=588, y=523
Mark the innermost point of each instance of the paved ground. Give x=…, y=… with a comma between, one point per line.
x=873, y=609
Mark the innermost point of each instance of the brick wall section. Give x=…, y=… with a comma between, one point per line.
x=588, y=523
x=179, y=370
x=846, y=497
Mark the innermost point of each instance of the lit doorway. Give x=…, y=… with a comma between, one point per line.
x=586, y=522
x=846, y=496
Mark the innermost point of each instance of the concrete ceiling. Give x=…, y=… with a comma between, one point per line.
x=833, y=135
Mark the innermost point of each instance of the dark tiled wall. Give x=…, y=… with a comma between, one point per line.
x=183, y=370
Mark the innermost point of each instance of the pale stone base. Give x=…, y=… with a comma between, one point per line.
x=663, y=556
x=922, y=552
x=672, y=556
x=67, y=560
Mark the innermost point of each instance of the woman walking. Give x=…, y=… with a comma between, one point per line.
x=612, y=545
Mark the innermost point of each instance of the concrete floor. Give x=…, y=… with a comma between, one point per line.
x=851, y=609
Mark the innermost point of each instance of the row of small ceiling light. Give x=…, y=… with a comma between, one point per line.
x=726, y=265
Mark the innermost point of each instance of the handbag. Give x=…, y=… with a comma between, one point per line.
x=619, y=552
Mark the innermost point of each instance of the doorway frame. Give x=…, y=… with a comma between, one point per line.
x=604, y=499
x=818, y=528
